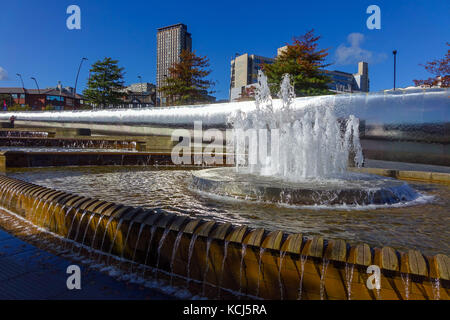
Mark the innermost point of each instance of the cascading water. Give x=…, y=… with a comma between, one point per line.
x=405, y=280
x=136, y=246
x=348, y=279
x=282, y=254
x=225, y=252
x=436, y=289
x=85, y=232
x=298, y=156
x=111, y=247
x=174, y=251
x=91, y=249
x=161, y=242
x=125, y=243
x=71, y=224
x=190, y=252
x=78, y=230
x=302, y=266
x=311, y=145
x=104, y=235
x=322, y=278
x=205, y=274
x=149, y=245
x=261, y=253
x=241, y=268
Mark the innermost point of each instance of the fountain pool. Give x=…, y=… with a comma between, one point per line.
x=424, y=225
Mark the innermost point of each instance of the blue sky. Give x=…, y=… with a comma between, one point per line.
x=36, y=42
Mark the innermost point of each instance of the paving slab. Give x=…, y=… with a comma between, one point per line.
x=27, y=272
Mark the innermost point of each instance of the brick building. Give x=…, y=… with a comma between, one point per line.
x=60, y=98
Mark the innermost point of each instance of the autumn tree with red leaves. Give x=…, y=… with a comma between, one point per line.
x=186, y=83
x=302, y=60
x=247, y=94
x=440, y=69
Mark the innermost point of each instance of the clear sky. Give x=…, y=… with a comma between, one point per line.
x=36, y=42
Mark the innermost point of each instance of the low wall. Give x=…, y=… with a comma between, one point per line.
x=222, y=260
x=21, y=159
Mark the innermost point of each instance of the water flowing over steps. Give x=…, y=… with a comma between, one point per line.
x=311, y=268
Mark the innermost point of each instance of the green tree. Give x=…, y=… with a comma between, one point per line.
x=105, y=83
x=303, y=61
x=186, y=83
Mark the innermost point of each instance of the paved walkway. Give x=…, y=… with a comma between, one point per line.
x=27, y=272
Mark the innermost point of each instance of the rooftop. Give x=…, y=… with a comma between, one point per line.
x=47, y=91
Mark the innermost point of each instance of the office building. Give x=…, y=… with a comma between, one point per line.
x=171, y=40
x=244, y=72
x=244, y=76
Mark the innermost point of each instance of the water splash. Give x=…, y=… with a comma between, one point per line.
x=312, y=145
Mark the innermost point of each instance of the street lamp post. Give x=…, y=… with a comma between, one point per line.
x=20, y=76
x=395, y=65
x=23, y=86
x=33, y=78
x=76, y=79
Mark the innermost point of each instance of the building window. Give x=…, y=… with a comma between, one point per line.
x=55, y=98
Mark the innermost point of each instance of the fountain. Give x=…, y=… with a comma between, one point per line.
x=298, y=158
x=293, y=154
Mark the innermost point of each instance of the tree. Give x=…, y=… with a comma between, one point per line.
x=186, y=83
x=303, y=61
x=440, y=69
x=247, y=94
x=105, y=83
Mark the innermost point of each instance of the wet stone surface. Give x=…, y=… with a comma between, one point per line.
x=27, y=272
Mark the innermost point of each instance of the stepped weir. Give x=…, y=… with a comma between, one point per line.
x=220, y=259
